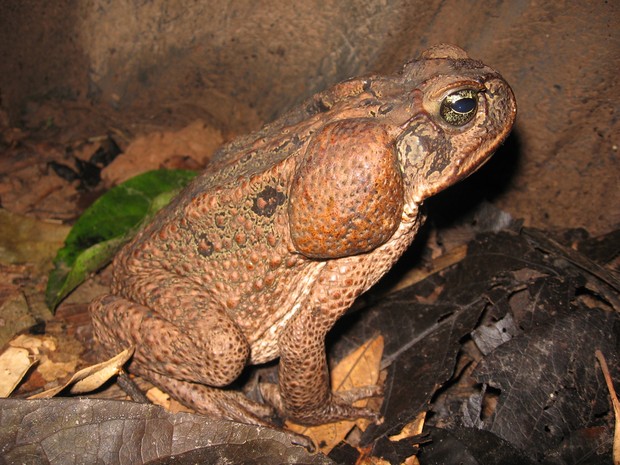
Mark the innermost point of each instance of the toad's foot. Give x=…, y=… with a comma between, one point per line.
x=221, y=403
x=337, y=408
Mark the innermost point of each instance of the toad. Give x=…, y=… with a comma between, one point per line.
x=265, y=250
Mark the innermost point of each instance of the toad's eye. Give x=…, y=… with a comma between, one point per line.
x=459, y=107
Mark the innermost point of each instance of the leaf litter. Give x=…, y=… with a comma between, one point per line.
x=538, y=313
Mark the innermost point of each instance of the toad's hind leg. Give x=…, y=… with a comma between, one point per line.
x=183, y=354
x=210, y=350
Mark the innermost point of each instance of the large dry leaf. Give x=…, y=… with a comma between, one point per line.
x=14, y=364
x=84, y=431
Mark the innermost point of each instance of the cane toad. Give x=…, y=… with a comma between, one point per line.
x=260, y=255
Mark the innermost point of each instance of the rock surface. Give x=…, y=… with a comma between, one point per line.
x=240, y=64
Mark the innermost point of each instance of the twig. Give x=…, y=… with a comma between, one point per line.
x=615, y=403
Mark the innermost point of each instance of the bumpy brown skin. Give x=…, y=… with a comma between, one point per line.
x=264, y=251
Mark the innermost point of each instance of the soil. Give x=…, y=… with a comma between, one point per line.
x=73, y=71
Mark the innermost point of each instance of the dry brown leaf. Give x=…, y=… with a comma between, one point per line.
x=14, y=364
x=358, y=369
x=90, y=378
x=197, y=141
x=24, y=239
x=418, y=274
x=41, y=347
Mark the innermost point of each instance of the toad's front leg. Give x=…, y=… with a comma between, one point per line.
x=305, y=395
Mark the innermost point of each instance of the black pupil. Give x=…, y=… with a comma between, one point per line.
x=464, y=105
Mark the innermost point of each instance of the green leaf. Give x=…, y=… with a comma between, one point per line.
x=111, y=221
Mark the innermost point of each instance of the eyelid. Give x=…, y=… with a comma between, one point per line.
x=463, y=84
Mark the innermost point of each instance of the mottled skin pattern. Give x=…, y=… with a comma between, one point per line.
x=263, y=252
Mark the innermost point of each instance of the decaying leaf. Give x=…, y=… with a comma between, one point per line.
x=470, y=446
x=52, y=363
x=15, y=314
x=24, y=239
x=27, y=247
x=546, y=373
x=90, y=378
